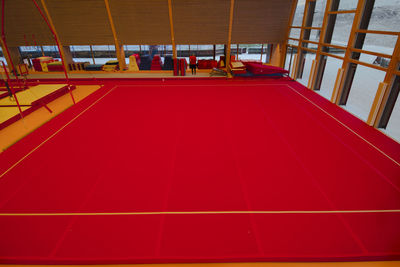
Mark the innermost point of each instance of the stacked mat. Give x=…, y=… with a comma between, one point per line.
x=237, y=67
x=156, y=63
x=55, y=66
x=40, y=63
x=94, y=67
x=168, y=63
x=257, y=69
x=133, y=62
x=260, y=69
x=207, y=64
x=77, y=65
x=111, y=65
x=145, y=63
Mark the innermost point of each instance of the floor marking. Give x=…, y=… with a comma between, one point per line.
x=344, y=125
x=201, y=212
x=54, y=134
x=197, y=85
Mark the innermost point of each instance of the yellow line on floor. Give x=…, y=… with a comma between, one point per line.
x=54, y=134
x=200, y=212
x=347, y=127
x=14, y=132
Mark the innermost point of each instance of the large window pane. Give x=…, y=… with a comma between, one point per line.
x=348, y=4
x=328, y=80
x=380, y=43
x=298, y=15
x=308, y=58
x=385, y=15
x=342, y=29
x=362, y=93
x=295, y=33
x=289, y=58
x=319, y=13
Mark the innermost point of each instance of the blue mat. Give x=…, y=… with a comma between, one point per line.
x=145, y=63
x=168, y=63
x=94, y=67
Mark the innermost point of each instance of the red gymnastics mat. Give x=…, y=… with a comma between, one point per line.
x=200, y=171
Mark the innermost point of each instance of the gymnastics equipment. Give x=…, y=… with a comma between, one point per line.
x=111, y=65
x=37, y=62
x=23, y=70
x=57, y=42
x=133, y=66
x=9, y=86
x=176, y=67
x=168, y=63
x=260, y=69
x=145, y=63
x=156, y=63
x=77, y=65
x=54, y=66
x=237, y=67
x=222, y=61
x=94, y=67
x=137, y=56
x=182, y=66
x=218, y=72
x=207, y=64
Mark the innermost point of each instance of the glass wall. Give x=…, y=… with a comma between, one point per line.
x=363, y=90
x=365, y=60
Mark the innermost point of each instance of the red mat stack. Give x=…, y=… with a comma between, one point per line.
x=156, y=63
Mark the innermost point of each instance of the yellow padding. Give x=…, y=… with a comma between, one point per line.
x=8, y=112
x=133, y=64
x=32, y=94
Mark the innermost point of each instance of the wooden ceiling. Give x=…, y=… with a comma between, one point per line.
x=83, y=22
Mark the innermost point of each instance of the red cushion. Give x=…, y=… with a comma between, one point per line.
x=257, y=68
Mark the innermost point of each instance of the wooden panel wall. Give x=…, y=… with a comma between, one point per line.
x=201, y=21
x=83, y=22
x=21, y=17
x=141, y=21
x=258, y=21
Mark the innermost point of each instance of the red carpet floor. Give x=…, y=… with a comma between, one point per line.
x=250, y=170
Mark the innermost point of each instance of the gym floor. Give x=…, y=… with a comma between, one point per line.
x=200, y=170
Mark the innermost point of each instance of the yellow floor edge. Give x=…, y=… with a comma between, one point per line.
x=19, y=129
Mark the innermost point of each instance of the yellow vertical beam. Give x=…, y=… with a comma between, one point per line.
x=312, y=71
x=62, y=54
x=121, y=59
x=171, y=24
x=372, y=117
x=391, y=71
x=276, y=57
x=350, y=44
x=284, y=43
x=293, y=65
x=228, y=49
x=338, y=81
